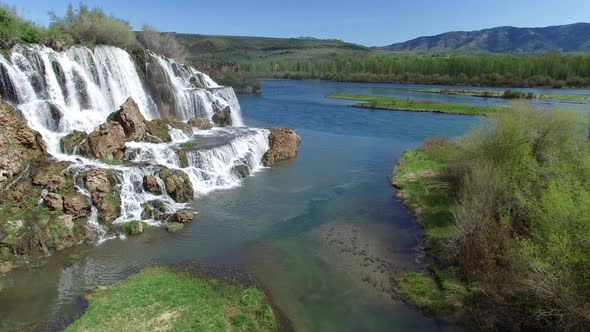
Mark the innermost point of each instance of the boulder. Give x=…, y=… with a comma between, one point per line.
x=76, y=205
x=157, y=131
x=107, y=142
x=150, y=183
x=55, y=183
x=71, y=142
x=283, y=144
x=131, y=119
x=200, y=123
x=223, y=117
x=156, y=210
x=97, y=180
x=182, y=216
x=104, y=195
x=178, y=185
x=53, y=202
x=133, y=227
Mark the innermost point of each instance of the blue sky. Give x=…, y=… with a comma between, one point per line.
x=367, y=22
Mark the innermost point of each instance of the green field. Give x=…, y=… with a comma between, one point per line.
x=162, y=299
x=510, y=94
x=408, y=105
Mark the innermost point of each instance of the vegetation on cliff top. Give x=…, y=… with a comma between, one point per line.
x=515, y=208
x=397, y=104
x=169, y=300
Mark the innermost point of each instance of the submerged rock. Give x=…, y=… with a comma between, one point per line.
x=178, y=185
x=283, y=144
x=71, y=142
x=107, y=142
x=200, y=123
x=223, y=118
x=131, y=119
x=174, y=227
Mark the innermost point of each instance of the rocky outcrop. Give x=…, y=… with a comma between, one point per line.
x=105, y=196
x=53, y=201
x=223, y=117
x=18, y=144
x=200, y=123
x=106, y=142
x=150, y=184
x=182, y=216
x=131, y=119
x=178, y=185
x=283, y=144
x=70, y=143
x=76, y=205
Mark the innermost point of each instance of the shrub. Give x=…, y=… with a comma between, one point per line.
x=162, y=43
x=14, y=29
x=91, y=26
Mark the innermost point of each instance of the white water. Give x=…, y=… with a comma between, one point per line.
x=58, y=92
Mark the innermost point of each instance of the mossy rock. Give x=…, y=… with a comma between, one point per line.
x=133, y=227
x=183, y=158
x=158, y=129
x=70, y=143
x=174, y=227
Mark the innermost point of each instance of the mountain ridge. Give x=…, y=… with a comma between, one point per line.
x=503, y=39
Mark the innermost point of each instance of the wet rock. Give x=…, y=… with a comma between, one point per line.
x=150, y=183
x=53, y=202
x=182, y=158
x=76, y=205
x=106, y=142
x=283, y=144
x=157, y=131
x=182, y=216
x=71, y=142
x=223, y=118
x=174, y=227
x=178, y=185
x=200, y=123
x=97, y=180
x=156, y=210
x=131, y=119
x=133, y=227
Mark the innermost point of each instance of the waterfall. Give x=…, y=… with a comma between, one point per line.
x=59, y=92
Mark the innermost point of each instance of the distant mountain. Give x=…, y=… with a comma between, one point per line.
x=567, y=38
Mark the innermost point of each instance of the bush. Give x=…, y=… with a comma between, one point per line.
x=162, y=43
x=14, y=29
x=523, y=213
x=91, y=27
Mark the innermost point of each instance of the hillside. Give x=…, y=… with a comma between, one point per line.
x=240, y=49
x=566, y=38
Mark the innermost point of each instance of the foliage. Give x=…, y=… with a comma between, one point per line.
x=241, y=82
x=390, y=103
x=14, y=29
x=91, y=27
x=167, y=300
x=162, y=43
x=522, y=212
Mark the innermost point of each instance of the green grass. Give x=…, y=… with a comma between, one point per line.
x=397, y=104
x=167, y=300
x=508, y=94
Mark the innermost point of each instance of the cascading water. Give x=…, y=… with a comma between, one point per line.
x=59, y=92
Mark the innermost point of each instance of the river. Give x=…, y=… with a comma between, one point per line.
x=324, y=232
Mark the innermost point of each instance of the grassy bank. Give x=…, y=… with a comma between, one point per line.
x=168, y=300
x=505, y=211
x=398, y=104
x=510, y=94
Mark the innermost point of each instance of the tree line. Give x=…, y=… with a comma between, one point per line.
x=552, y=69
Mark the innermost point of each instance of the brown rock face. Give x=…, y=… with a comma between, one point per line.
x=107, y=141
x=104, y=195
x=178, y=185
x=284, y=144
x=150, y=183
x=182, y=216
x=131, y=119
x=54, y=202
x=223, y=118
x=200, y=123
x=70, y=143
x=76, y=205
